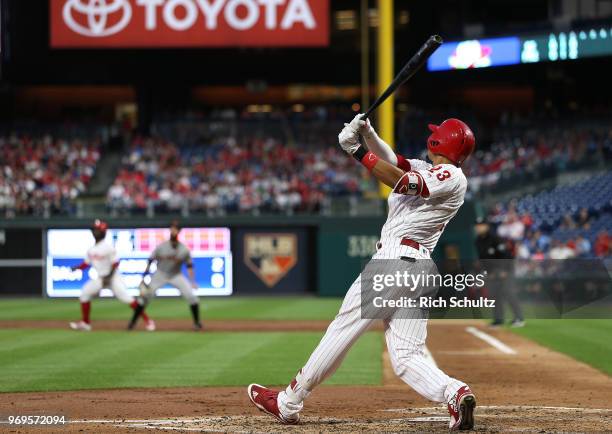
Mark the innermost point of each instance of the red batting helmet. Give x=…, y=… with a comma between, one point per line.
x=452, y=139
x=100, y=225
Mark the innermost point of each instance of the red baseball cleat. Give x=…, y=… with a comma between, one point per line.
x=461, y=409
x=266, y=400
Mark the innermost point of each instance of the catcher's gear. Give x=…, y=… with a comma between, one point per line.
x=453, y=139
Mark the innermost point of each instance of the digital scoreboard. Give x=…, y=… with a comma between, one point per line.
x=522, y=49
x=571, y=45
x=209, y=247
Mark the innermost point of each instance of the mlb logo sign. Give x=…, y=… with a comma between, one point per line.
x=270, y=256
x=188, y=23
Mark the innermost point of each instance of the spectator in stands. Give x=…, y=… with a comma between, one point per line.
x=542, y=241
x=584, y=219
x=568, y=222
x=560, y=250
x=602, y=245
x=512, y=227
x=583, y=247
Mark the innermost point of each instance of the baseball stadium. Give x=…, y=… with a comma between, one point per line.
x=305, y=216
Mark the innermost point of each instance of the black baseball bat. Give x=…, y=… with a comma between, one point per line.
x=409, y=69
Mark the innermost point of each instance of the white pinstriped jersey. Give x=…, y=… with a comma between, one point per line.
x=424, y=219
x=102, y=256
x=421, y=219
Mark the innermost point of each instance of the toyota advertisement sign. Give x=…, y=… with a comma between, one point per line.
x=188, y=23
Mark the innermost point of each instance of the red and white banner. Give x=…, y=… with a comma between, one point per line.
x=188, y=23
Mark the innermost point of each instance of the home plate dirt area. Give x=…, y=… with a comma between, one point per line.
x=519, y=386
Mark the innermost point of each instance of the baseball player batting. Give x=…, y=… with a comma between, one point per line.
x=170, y=256
x=424, y=199
x=103, y=258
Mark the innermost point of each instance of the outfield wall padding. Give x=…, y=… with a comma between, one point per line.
x=330, y=251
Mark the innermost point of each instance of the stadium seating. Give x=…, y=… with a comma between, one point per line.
x=548, y=208
x=531, y=154
x=568, y=214
x=256, y=176
x=43, y=175
x=232, y=162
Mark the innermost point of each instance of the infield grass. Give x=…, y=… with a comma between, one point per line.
x=47, y=360
x=587, y=340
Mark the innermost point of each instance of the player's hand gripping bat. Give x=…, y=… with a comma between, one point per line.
x=409, y=69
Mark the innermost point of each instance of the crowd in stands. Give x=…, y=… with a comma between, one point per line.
x=522, y=152
x=519, y=150
x=570, y=221
x=258, y=160
x=42, y=175
x=227, y=177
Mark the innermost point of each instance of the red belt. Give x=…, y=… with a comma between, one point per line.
x=405, y=242
x=411, y=243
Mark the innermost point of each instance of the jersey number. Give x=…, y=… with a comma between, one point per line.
x=442, y=175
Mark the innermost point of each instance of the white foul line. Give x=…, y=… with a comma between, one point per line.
x=494, y=342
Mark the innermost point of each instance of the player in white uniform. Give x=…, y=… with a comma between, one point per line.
x=103, y=258
x=424, y=199
x=170, y=257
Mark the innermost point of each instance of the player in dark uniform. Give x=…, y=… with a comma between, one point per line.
x=492, y=247
x=170, y=257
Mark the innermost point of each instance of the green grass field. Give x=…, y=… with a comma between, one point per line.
x=587, y=340
x=39, y=360
x=275, y=308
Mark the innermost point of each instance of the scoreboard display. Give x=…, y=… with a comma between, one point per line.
x=209, y=247
x=529, y=48
x=571, y=45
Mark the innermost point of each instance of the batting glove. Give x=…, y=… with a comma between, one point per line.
x=349, y=139
x=363, y=127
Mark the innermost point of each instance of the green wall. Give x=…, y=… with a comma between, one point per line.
x=345, y=245
x=341, y=245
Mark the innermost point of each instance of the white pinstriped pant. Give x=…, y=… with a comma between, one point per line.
x=94, y=286
x=405, y=338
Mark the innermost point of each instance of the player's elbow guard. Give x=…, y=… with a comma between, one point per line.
x=411, y=184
